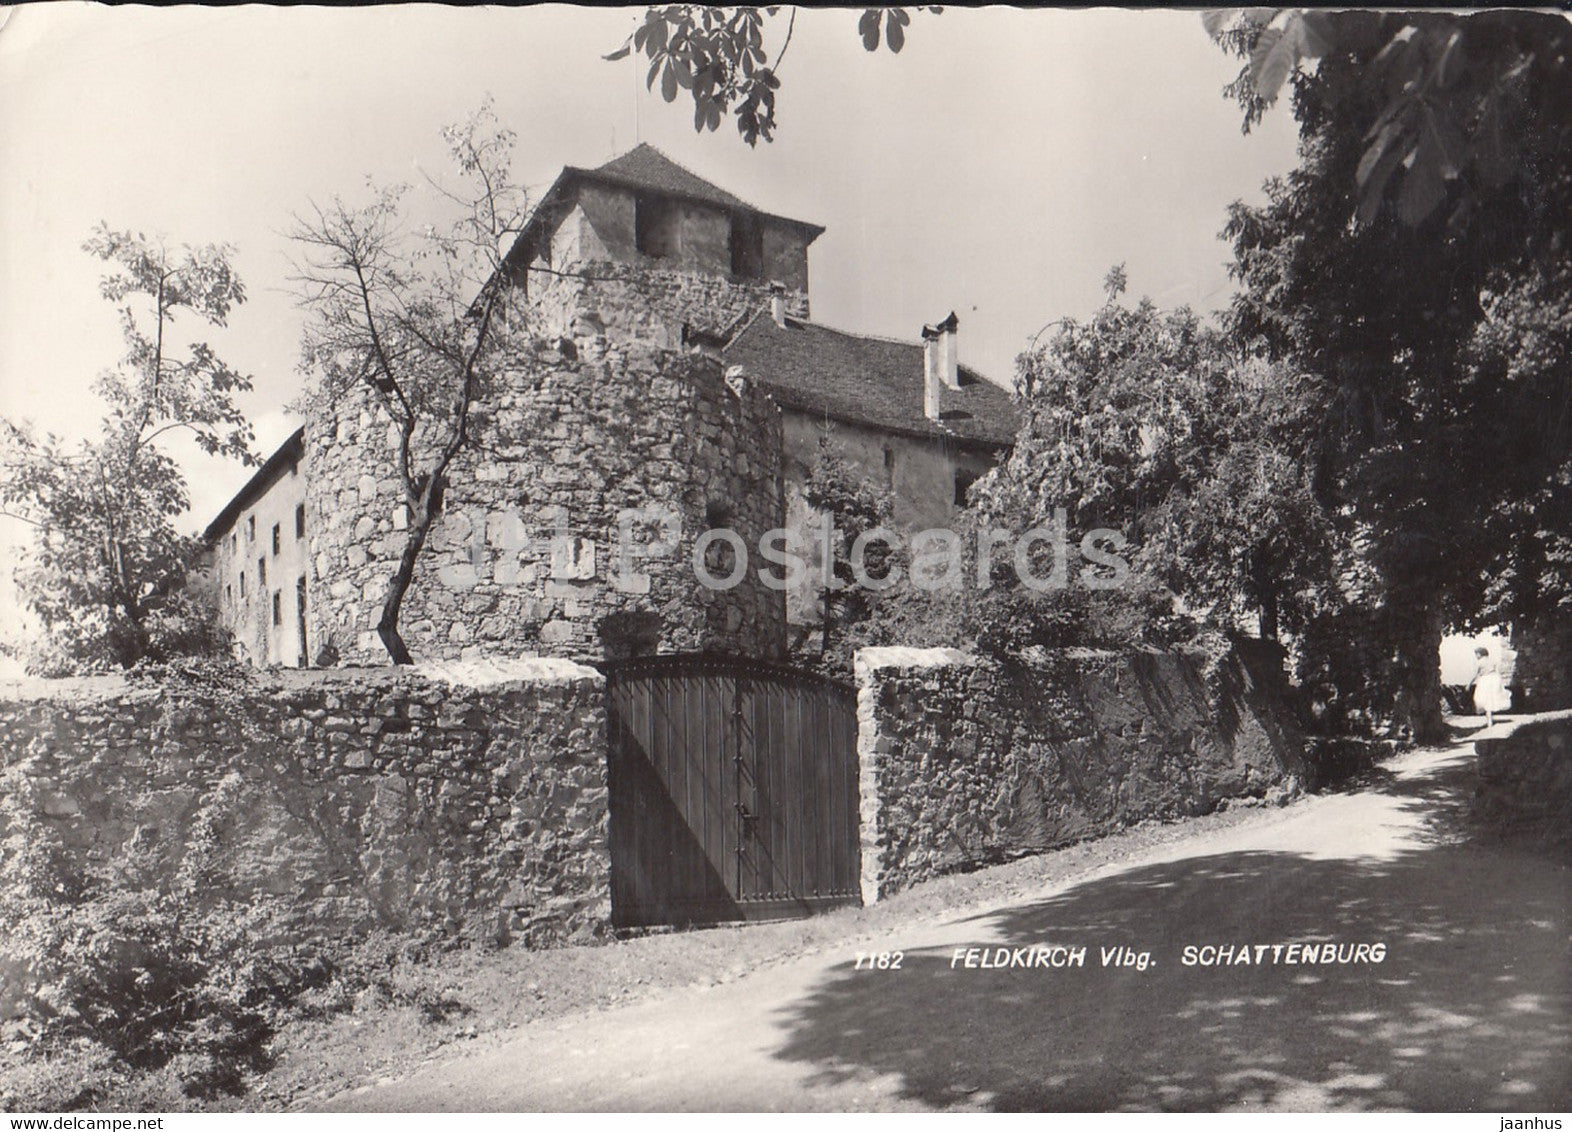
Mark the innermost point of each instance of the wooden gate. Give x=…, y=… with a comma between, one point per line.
x=733, y=790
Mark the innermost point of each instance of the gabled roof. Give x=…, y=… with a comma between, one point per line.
x=642, y=169
x=866, y=380
x=288, y=453
x=645, y=167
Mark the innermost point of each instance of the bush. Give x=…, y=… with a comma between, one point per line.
x=1003, y=621
x=1140, y=612
x=1350, y=670
x=1337, y=760
x=103, y=961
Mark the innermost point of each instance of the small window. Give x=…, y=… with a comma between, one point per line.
x=276, y=543
x=234, y=542
x=278, y=609
x=229, y=594
x=747, y=246
x=300, y=520
x=963, y=484
x=655, y=227
x=889, y=467
x=261, y=572
x=242, y=586
x=300, y=614
x=251, y=528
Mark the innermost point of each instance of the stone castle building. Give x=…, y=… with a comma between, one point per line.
x=696, y=394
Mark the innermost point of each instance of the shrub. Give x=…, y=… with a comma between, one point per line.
x=1141, y=612
x=103, y=961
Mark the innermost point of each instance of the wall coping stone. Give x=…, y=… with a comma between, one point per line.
x=485, y=673
x=898, y=658
x=894, y=657
x=81, y=689
x=489, y=672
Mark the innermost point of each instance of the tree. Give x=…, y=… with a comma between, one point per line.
x=1521, y=355
x=718, y=56
x=1452, y=107
x=108, y=572
x=1248, y=539
x=1146, y=422
x=417, y=318
x=855, y=506
x=1429, y=319
x=1462, y=98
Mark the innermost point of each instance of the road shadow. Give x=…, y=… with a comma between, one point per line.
x=1471, y=1008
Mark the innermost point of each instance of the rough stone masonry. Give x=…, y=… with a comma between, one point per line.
x=966, y=761
x=466, y=798
x=524, y=555
x=1525, y=779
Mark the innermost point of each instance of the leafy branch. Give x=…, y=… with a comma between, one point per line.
x=1463, y=103
x=720, y=57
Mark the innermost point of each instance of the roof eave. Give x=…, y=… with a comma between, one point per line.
x=537, y=219
x=788, y=403
x=288, y=452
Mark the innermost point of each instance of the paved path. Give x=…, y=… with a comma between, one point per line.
x=1470, y=1009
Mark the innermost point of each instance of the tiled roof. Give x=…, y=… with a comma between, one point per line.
x=645, y=167
x=875, y=381
x=287, y=454
x=642, y=168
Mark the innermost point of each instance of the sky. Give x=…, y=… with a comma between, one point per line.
x=997, y=167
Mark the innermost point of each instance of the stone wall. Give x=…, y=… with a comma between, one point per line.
x=1543, y=671
x=966, y=761
x=690, y=236
x=1525, y=778
x=920, y=474
x=639, y=302
x=525, y=556
x=467, y=799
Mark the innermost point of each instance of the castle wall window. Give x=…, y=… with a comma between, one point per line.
x=261, y=572
x=963, y=483
x=747, y=246
x=242, y=586
x=276, y=542
x=300, y=614
x=300, y=520
x=251, y=528
x=655, y=226
x=278, y=609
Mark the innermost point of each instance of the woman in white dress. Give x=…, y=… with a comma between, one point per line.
x=1490, y=693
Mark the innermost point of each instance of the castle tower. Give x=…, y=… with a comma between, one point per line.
x=640, y=249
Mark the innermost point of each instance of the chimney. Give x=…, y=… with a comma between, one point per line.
x=737, y=380
x=778, y=307
x=931, y=382
x=940, y=363
x=949, y=356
